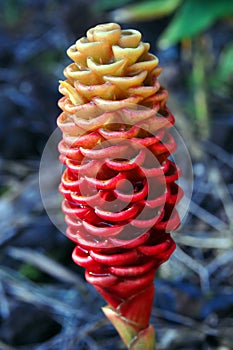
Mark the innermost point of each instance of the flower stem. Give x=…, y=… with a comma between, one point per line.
x=134, y=338
x=199, y=89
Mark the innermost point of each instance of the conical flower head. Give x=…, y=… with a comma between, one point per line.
x=119, y=184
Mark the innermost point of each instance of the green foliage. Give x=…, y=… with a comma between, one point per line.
x=4, y=189
x=10, y=10
x=146, y=10
x=193, y=17
x=225, y=69
x=31, y=272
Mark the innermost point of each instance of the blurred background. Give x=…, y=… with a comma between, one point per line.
x=45, y=302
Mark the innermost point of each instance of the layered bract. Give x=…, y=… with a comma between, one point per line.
x=119, y=184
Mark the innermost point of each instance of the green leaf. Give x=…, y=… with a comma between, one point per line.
x=145, y=10
x=31, y=272
x=193, y=17
x=225, y=70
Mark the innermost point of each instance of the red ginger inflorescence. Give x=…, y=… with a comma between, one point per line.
x=119, y=184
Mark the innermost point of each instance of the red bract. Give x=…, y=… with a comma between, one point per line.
x=119, y=184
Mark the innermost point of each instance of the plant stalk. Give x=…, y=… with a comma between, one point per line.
x=199, y=89
x=133, y=338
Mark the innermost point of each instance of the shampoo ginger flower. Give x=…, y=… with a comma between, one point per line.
x=119, y=185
